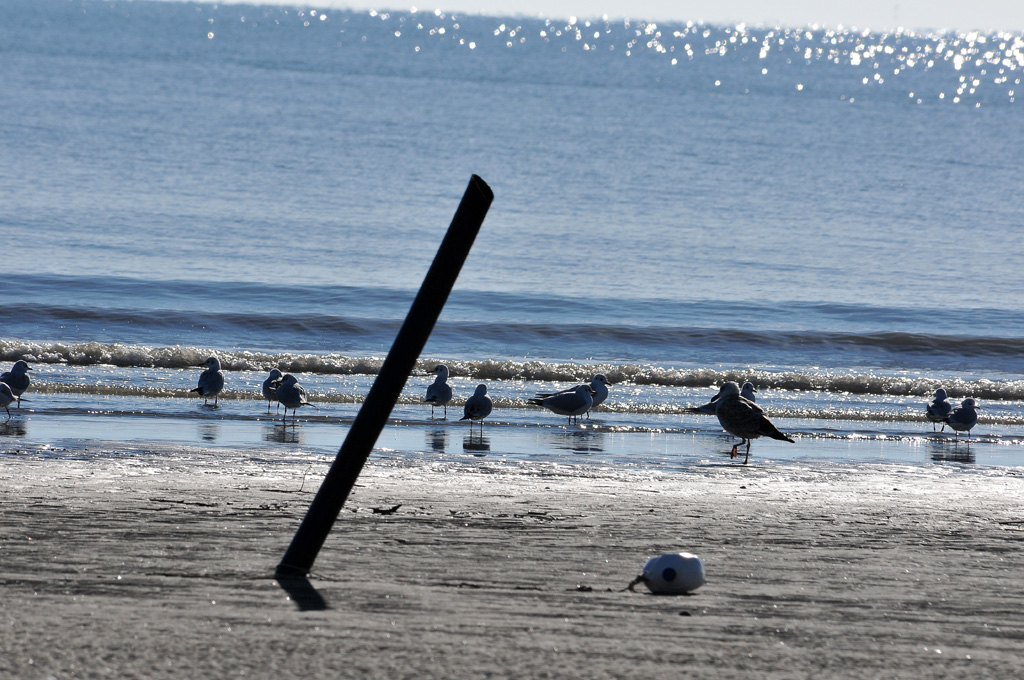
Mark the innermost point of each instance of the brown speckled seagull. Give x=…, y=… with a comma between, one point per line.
x=743, y=418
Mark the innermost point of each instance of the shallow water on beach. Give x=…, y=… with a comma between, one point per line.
x=829, y=214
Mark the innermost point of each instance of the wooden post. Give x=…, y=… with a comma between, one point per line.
x=374, y=414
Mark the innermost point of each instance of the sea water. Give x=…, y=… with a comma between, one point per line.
x=832, y=214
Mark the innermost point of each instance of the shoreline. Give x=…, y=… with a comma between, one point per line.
x=659, y=445
x=135, y=567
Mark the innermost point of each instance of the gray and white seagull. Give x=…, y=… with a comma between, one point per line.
x=292, y=395
x=17, y=379
x=964, y=417
x=477, y=406
x=211, y=381
x=939, y=409
x=439, y=392
x=599, y=384
x=270, y=387
x=570, y=404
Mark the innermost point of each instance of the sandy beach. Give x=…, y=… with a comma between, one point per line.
x=125, y=566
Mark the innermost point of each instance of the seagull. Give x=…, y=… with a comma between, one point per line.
x=478, y=406
x=211, y=381
x=964, y=417
x=599, y=391
x=6, y=397
x=744, y=419
x=270, y=387
x=569, y=404
x=17, y=379
x=939, y=409
x=439, y=393
x=291, y=394
x=747, y=392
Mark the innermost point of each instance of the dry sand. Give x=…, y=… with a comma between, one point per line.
x=121, y=567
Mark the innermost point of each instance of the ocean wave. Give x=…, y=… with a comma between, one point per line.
x=810, y=381
x=181, y=356
x=183, y=319
x=554, y=323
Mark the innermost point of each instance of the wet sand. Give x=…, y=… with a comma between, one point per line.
x=130, y=566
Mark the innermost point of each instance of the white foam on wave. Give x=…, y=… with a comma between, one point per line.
x=646, y=375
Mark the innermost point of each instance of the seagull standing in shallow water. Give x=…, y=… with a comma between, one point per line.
x=744, y=419
x=17, y=379
x=270, y=387
x=6, y=398
x=964, y=417
x=569, y=404
x=439, y=393
x=939, y=409
x=599, y=391
x=291, y=394
x=478, y=406
x=211, y=381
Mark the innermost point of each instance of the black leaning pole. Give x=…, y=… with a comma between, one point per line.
x=373, y=416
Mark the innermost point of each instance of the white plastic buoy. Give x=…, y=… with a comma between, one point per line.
x=673, y=574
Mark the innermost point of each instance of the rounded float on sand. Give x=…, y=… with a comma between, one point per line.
x=673, y=574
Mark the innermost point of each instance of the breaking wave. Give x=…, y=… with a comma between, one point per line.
x=181, y=357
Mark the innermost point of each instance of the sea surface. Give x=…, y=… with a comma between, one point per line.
x=834, y=215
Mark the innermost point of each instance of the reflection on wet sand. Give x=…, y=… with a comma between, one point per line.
x=437, y=439
x=942, y=452
x=282, y=434
x=209, y=431
x=476, y=444
x=14, y=428
x=578, y=441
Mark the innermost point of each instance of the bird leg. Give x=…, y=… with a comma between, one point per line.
x=747, y=459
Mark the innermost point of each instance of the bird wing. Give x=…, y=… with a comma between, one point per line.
x=440, y=393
